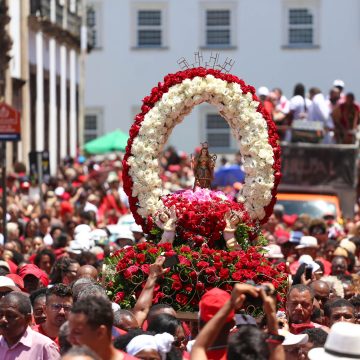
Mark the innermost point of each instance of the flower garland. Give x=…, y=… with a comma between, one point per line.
x=198, y=271
x=166, y=107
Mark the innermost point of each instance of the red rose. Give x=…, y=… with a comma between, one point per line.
x=224, y=273
x=200, y=287
x=237, y=276
x=160, y=295
x=202, y=264
x=181, y=299
x=130, y=271
x=175, y=277
x=145, y=269
x=142, y=246
x=140, y=258
x=119, y=297
x=152, y=251
x=176, y=286
x=185, y=249
x=184, y=261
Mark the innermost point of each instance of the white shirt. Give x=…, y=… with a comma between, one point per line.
x=297, y=106
x=319, y=110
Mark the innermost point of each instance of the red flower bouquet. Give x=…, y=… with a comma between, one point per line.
x=197, y=272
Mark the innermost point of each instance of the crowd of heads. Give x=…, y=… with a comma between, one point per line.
x=51, y=283
x=336, y=112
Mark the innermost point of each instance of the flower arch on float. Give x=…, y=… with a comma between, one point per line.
x=166, y=107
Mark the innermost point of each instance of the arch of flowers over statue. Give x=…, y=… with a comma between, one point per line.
x=215, y=238
x=166, y=107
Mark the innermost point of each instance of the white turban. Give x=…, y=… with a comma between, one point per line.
x=159, y=342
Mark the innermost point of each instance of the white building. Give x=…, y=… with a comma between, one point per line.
x=276, y=43
x=43, y=78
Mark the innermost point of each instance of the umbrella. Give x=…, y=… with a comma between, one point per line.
x=228, y=175
x=114, y=141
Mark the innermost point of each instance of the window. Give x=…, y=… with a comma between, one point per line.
x=218, y=27
x=93, y=125
x=93, y=21
x=218, y=32
x=301, y=24
x=149, y=25
x=300, y=27
x=149, y=28
x=218, y=133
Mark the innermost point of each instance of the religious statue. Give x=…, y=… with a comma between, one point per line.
x=166, y=221
x=203, y=165
x=232, y=220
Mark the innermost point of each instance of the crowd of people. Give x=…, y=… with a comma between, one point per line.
x=331, y=119
x=53, y=303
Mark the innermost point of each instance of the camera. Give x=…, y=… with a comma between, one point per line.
x=257, y=301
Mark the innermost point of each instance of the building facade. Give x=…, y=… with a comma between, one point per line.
x=275, y=43
x=45, y=77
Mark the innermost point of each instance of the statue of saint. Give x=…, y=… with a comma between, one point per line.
x=203, y=165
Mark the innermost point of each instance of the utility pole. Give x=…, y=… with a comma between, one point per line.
x=5, y=46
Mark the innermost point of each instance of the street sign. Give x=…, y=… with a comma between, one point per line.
x=9, y=123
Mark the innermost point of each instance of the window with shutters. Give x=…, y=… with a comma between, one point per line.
x=219, y=25
x=93, y=124
x=149, y=22
x=301, y=24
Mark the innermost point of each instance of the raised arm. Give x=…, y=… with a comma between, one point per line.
x=144, y=302
x=211, y=330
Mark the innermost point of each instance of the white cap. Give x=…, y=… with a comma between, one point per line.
x=306, y=242
x=59, y=191
x=292, y=339
x=274, y=252
x=99, y=236
x=339, y=82
x=82, y=228
x=112, y=177
x=6, y=282
x=263, y=91
x=308, y=260
x=348, y=245
x=136, y=228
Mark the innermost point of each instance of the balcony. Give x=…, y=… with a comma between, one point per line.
x=74, y=24
x=40, y=15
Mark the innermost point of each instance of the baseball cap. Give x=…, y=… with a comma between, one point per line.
x=30, y=269
x=6, y=282
x=211, y=302
x=273, y=251
x=307, y=242
x=263, y=91
x=339, y=82
x=17, y=280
